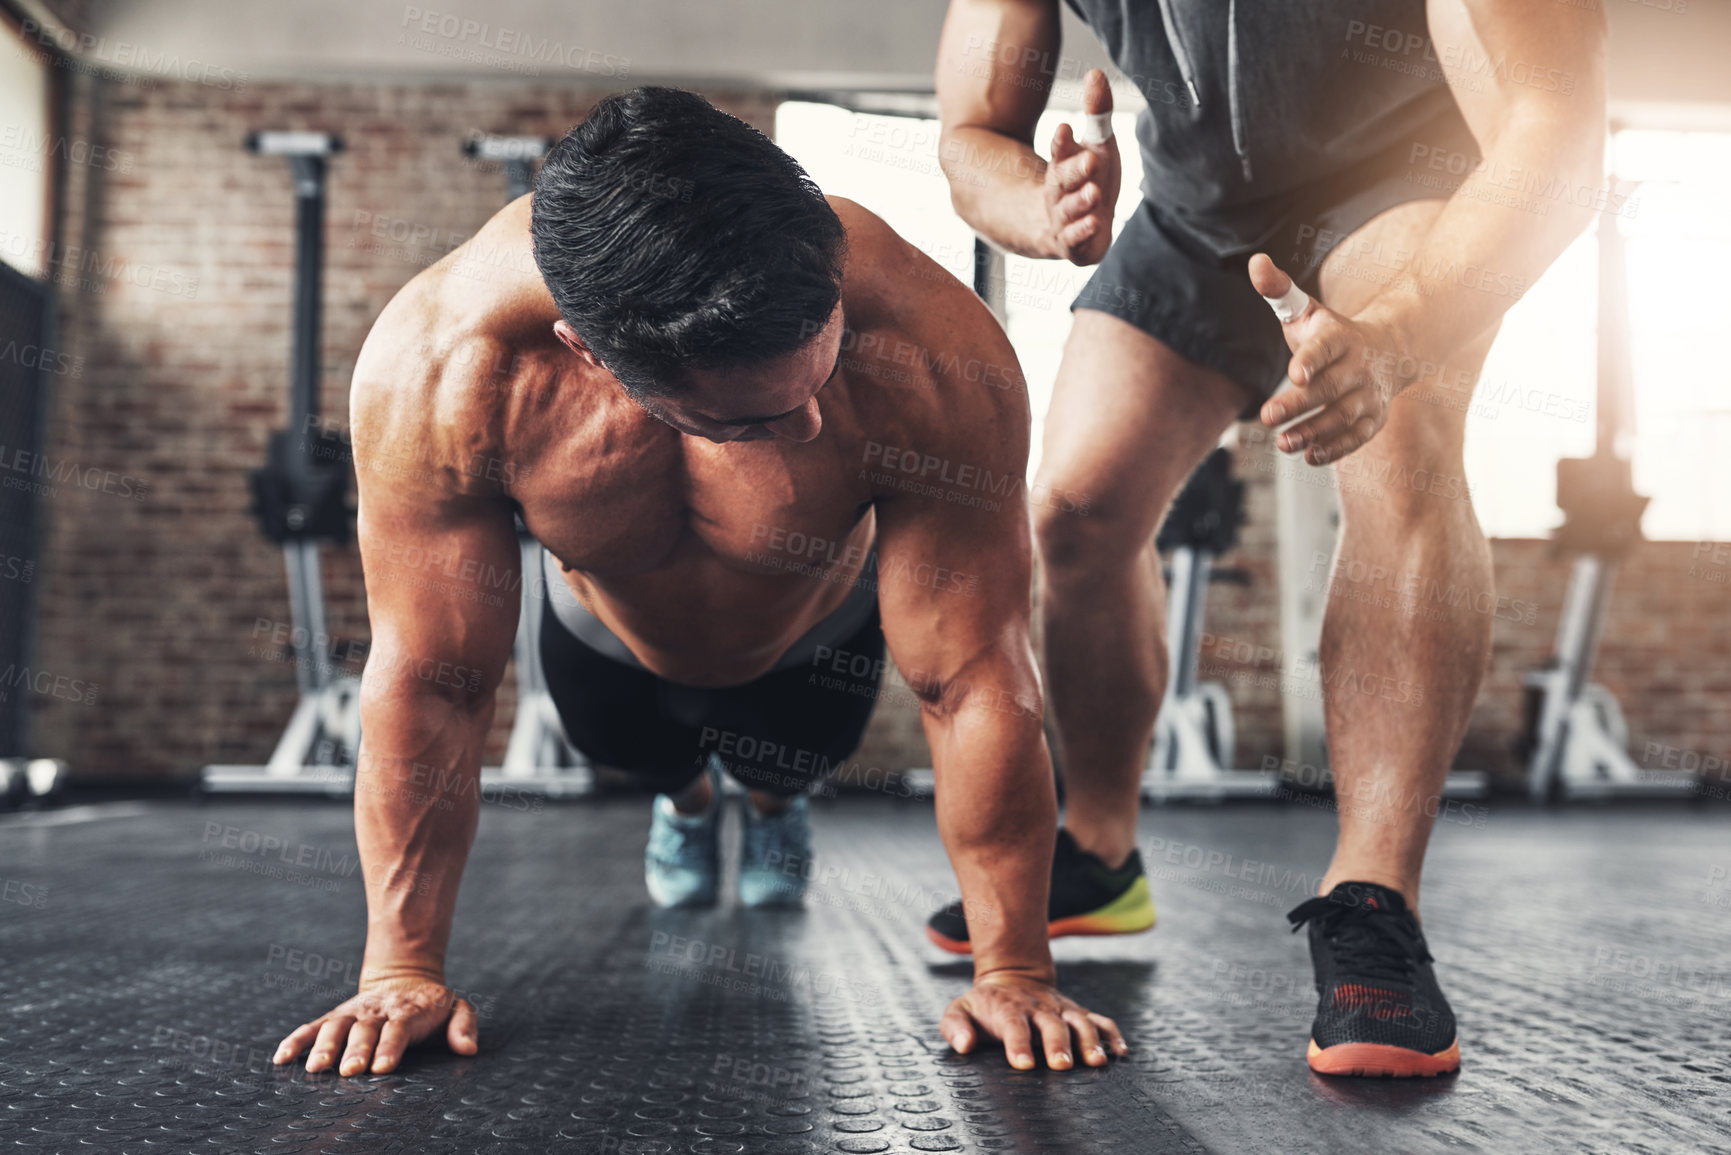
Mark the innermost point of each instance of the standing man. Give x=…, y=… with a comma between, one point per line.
x=1413, y=166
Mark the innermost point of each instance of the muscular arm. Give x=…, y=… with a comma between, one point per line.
x=441, y=562
x=954, y=593
x=440, y=645
x=995, y=63
x=1530, y=81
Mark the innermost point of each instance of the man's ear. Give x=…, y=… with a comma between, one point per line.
x=568, y=337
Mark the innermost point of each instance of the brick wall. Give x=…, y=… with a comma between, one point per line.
x=176, y=273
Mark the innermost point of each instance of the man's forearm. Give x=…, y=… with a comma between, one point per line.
x=997, y=185
x=998, y=815
x=417, y=802
x=1483, y=253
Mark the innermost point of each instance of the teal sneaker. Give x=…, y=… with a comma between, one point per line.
x=682, y=863
x=775, y=854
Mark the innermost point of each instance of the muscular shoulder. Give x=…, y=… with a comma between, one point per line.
x=420, y=405
x=926, y=360
x=430, y=394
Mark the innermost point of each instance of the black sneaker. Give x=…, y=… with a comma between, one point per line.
x=1381, y=1011
x=1087, y=898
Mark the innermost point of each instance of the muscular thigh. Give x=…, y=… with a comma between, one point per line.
x=1420, y=446
x=1129, y=420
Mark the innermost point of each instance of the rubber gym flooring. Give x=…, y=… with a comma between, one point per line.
x=152, y=954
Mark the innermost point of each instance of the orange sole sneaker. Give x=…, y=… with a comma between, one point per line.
x=1379, y=1060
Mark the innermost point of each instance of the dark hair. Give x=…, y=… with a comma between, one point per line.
x=674, y=236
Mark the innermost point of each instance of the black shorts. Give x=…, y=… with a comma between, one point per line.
x=1200, y=303
x=779, y=734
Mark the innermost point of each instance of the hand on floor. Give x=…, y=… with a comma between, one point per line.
x=373, y=1029
x=1014, y=1007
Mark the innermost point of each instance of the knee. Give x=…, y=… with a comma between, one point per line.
x=1077, y=545
x=1408, y=477
x=1410, y=498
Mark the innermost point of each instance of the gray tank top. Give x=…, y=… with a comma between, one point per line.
x=1249, y=100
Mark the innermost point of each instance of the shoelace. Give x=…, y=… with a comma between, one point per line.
x=1379, y=944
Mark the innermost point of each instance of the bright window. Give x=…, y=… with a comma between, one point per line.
x=1679, y=246
x=26, y=153
x=1677, y=238
x=889, y=164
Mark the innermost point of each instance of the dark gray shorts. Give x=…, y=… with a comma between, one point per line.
x=1200, y=303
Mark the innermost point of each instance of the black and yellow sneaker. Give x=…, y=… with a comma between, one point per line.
x=1087, y=898
x=1381, y=1012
